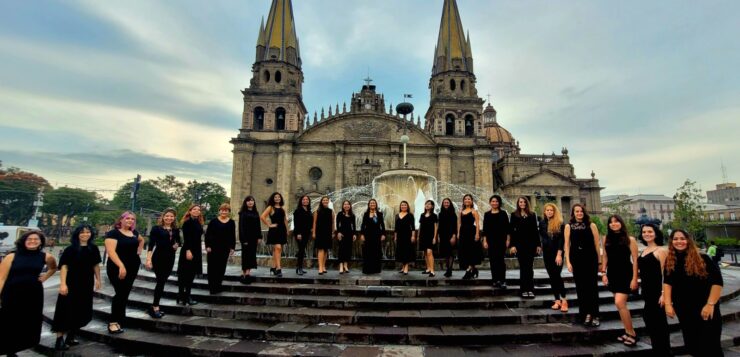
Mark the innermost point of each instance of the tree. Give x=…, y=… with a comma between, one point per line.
x=18, y=191
x=620, y=207
x=67, y=203
x=688, y=213
x=209, y=194
x=174, y=189
x=149, y=197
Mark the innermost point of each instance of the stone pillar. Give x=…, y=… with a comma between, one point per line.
x=284, y=170
x=241, y=175
x=339, y=166
x=444, y=170
x=559, y=202
x=395, y=161
x=483, y=169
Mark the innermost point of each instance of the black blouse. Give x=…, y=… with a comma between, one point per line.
x=221, y=236
x=163, y=240
x=302, y=222
x=496, y=226
x=250, y=227
x=691, y=292
x=524, y=232
x=551, y=242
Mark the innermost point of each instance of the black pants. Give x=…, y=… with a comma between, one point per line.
x=162, y=271
x=553, y=272
x=217, y=260
x=301, y=251
x=585, y=275
x=497, y=254
x=122, y=288
x=656, y=324
x=701, y=338
x=185, y=279
x=526, y=270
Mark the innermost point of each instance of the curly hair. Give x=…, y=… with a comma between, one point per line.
x=186, y=217
x=554, y=224
x=695, y=265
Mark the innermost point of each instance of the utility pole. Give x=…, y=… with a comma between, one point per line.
x=34, y=221
x=134, y=191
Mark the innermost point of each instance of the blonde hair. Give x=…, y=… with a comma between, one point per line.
x=224, y=206
x=553, y=224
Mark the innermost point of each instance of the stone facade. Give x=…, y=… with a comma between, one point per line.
x=281, y=148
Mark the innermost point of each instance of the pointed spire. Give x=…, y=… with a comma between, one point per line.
x=418, y=121
x=336, y=109
x=330, y=111
x=261, y=35
x=322, y=113
x=279, y=34
x=344, y=107
x=390, y=109
x=453, y=49
x=314, y=117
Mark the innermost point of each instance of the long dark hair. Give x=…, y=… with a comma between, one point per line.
x=377, y=209
x=431, y=211
x=321, y=204
x=658, y=234
x=271, y=200
x=300, y=203
x=75, y=240
x=621, y=236
x=408, y=207
x=450, y=210
x=20, y=244
x=518, y=211
x=244, y=207
x=586, y=217
x=351, y=213
x=472, y=202
x=160, y=220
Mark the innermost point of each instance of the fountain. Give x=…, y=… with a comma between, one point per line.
x=411, y=185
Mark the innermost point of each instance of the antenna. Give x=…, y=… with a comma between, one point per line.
x=724, y=172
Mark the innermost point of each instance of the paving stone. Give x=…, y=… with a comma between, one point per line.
x=245, y=348
x=362, y=351
x=403, y=351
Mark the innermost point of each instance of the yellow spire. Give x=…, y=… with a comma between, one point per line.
x=261, y=37
x=280, y=37
x=451, y=44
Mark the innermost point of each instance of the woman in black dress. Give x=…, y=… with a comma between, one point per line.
x=551, y=234
x=620, y=265
x=190, y=263
x=80, y=276
x=470, y=251
x=404, y=236
x=323, y=227
x=220, y=244
x=650, y=265
x=496, y=230
x=302, y=226
x=525, y=244
x=164, y=239
x=22, y=292
x=346, y=235
x=123, y=245
x=447, y=233
x=582, y=259
x=372, y=235
x=428, y=235
x=250, y=236
x=692, y=288
x=277, y=233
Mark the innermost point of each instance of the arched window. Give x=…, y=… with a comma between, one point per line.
x=266, y=76
x=462, y=85
x=259, y=118
x=278, y=76
x=452, y=84
x=280, y=119
x=450, y=125
x=469, y=128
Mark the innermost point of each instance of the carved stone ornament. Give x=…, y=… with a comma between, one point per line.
x=365, y=129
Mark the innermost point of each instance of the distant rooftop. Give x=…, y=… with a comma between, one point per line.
x=641, y=197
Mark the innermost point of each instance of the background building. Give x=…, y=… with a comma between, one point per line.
x=725, y=194
x=654, y=206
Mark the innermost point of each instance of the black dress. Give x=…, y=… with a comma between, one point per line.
x=470, y=251
x=192, y=232
x=525, y=238
x=552, y=243
x=346, y=226
x=250, y=232
x=279, y=234
x=405, y=252
x=619, y=267
x=221, y=238
x=75, y=309
x=445, y=230
x=372, y=229
x=585, y=261
x=127, y=250
x=690, y=294
x=426, y=232
x=323, y=229
x=651, y=282
x=496, y=228
x=302, y=225
x=22, y=303
x=161, y=243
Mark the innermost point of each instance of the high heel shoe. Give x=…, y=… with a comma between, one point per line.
x=448, y=273
x=60, y=345
x=431, y=274
x=279, y=273
x=475, y=273
x=298, y=271
x=468, y=275
x=272, y=271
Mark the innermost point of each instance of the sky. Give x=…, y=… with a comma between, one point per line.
x=645, y=94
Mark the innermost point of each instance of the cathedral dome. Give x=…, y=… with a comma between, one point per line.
x=495, y=132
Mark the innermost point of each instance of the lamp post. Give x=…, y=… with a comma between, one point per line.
x=404, y=109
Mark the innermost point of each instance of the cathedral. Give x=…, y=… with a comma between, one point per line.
x=280, y=147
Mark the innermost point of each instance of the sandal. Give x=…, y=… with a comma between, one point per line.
x=630, y=341
x=117, y=330
x=588, y=320
x=564, y=306
x=556, y=305
x=623, y=337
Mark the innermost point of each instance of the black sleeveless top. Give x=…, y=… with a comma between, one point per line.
x=651, y=276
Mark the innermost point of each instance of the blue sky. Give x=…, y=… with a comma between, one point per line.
x=643, y=93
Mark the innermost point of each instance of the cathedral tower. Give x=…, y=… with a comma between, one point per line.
x=454, y=108
x=273, y=102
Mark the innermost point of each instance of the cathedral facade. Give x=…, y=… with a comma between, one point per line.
x=281, y=148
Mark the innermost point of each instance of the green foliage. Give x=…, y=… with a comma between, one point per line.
x=69, y=202
x=149, y=197
x=599, y=224
x=18, y=190
x=174, y=189
x=688, y=213
x=209, y=195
